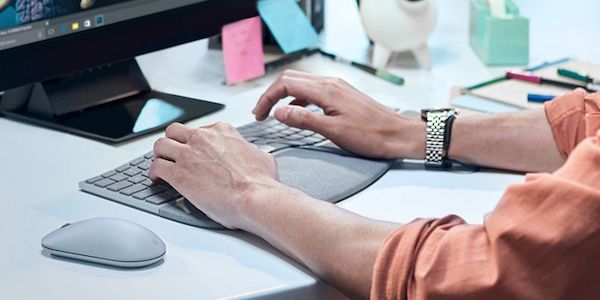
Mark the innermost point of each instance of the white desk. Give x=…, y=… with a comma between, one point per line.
x=41, y=169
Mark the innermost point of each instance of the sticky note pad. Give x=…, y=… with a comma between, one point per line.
x=243, y=50
x=288, y=24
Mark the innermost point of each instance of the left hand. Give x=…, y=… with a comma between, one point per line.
x=214, y=168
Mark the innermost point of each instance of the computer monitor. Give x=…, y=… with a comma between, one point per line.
x=70, y=64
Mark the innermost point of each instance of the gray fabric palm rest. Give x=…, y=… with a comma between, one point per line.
x=327, y=174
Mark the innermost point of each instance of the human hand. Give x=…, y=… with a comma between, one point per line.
x=352, y=119
x=214, y=168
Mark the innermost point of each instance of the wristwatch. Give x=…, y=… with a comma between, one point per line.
x=438, y=134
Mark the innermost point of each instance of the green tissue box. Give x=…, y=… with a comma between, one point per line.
x=499, y=41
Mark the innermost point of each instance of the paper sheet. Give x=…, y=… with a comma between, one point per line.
x=288, y=24
x=514, y=92
x=243, y=50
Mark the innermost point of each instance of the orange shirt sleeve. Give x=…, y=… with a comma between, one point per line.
x=541, y=241
x=566, y=115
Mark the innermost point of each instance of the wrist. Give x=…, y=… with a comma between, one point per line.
x=409, y=139
x=255, y=199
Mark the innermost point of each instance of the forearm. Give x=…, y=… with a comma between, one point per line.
x=335, y=244
x=519, y=141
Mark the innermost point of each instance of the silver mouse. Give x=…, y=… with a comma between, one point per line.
x=107, y=241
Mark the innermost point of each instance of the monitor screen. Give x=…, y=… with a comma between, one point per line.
x=28, y=21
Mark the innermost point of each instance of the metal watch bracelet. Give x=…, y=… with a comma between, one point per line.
x=438, y=133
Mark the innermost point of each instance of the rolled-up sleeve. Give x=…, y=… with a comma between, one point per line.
x=541, y=241
x=566, y=116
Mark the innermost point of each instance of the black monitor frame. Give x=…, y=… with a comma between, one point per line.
x=78, y=82
x=64, y=55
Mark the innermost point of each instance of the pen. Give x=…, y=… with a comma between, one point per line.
x=539, y=98
x=537, y=79
x=387, y=76
x=499, y=79
x=577, y=76
x=289, y=58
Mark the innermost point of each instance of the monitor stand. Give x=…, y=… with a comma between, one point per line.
x=112, y=104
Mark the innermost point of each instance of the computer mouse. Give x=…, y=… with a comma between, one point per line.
x=109, y=241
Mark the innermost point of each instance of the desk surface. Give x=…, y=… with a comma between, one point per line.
x=41, y=168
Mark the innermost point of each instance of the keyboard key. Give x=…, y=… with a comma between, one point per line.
x=318, y=136
x=149, y=155
x=92, y=180
x=264, y=142
x=293, y=143
x=266, y=148
x=109, y=174
x=136, y=179
x=311, y=140
x=145, y=165
x=295, y=137
x=280, y=127
x=145, y=173
x=162, y=197
x=119, y=177
x=252, y=139
x=133, y=189
x=148, y=182
x=104, y=182
x=268, y=131
x=123, y=168
x=153, y=190
x=306, y=132
x=137, y=161
x=119, y=185
x=132, y=172
x=288, y=131
x=278, y=135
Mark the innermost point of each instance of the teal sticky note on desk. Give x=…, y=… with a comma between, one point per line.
x=288, y=24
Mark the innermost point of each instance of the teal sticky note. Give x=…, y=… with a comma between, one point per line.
x=288, y=24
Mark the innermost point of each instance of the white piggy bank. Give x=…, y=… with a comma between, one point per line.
x=399, y=25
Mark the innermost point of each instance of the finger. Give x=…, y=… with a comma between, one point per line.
x=299, y=102
x=168, y=149
x=179, y=132
x=300, y=117
x=309, y=89
x=162, y=169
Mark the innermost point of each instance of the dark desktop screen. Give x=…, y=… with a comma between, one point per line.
x=20, y=12
x=28, y=21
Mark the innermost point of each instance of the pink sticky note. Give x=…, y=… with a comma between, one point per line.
x=243, y=50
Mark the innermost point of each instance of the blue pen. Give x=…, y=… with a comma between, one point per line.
x=539, y=98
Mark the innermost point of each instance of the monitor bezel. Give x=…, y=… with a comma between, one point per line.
x=77, y=52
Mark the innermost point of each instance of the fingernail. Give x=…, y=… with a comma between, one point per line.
x=286, y=112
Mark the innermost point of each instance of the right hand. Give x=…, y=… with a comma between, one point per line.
x=352, y=119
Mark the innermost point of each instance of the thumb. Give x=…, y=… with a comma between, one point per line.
x=300, y=117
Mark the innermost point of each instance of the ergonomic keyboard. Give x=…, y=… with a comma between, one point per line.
x=129, y=183
x=326, y=173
